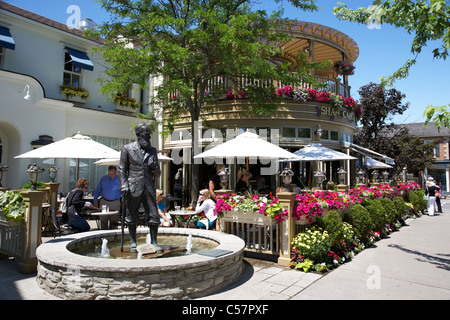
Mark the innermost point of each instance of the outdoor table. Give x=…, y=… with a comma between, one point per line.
x=189, y=214
x=98, y=214
x=47, y=223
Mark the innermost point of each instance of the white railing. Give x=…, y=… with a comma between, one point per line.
x=260, y=233
x=221, y=84
x=11, y=239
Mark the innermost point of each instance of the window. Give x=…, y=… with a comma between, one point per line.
x=289, y=132
x=347, y=138
x=304, y=133
x=263, y=133
x=325, y=135
x=334, y=136
x=72, y=73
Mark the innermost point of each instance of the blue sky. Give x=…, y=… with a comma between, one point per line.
x=381, y=51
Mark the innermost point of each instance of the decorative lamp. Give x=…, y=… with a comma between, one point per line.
x=34, y=171
x=375, y=175
x=360, y=175
x=320, y=177
x=341, y=174
x=224, y=175
x=286, y=175
x=385, y=176
x=52, y=171
x=3, y=169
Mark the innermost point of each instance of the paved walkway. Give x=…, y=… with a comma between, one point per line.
x=413, y=263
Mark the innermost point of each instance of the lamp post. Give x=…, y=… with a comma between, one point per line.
x=52, y=171
x=341, y=175
x=320, y=177
x=33, y=172
x=360, y=175
x=375, y=176
x=3, y=169
x=224, y=175
x=286, y=176
x=385, y=176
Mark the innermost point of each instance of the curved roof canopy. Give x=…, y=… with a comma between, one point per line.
x=329, y=44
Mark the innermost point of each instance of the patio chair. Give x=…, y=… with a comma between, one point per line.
x=58, y=226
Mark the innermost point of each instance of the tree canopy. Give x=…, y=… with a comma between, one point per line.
x=190, y=42
x=427, y=20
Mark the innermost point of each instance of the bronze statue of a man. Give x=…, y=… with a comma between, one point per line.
x=138, y=170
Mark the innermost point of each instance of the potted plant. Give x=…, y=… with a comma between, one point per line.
x=73, y=93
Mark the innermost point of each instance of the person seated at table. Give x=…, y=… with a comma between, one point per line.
x=109, y=189
x=75, y=205
x=165, y=218
x=243, y=185
x=205, y=204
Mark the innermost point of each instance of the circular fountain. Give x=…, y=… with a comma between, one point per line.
x=70, y=275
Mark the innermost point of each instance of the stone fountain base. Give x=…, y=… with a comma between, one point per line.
x=67, y=275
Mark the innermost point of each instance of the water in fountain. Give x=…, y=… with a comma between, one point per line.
x=148, y=240
x=189, y=244
x=105, y=250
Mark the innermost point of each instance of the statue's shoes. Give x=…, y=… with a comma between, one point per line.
x=133, y=248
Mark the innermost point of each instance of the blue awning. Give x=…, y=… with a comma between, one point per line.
x=6, y=39
x=80, y=59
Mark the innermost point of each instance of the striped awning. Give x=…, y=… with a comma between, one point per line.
x=6, y=39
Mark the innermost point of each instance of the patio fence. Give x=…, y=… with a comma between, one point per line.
x=20, y=240
x=11, y=237
x=264, y=234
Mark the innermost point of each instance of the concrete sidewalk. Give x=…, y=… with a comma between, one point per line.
x=412, y=263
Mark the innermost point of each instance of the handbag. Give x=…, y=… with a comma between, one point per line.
x=425, y=197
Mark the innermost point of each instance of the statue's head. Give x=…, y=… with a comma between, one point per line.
x=143, y=134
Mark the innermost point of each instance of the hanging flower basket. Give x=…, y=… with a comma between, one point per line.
x=343, y=68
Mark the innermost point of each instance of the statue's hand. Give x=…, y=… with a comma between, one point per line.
x=124, y=192
x=152, y=163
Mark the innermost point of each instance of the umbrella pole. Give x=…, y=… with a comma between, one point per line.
x=78, y=170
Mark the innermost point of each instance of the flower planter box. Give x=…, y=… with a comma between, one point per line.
x=126, y=109
x=247, y=217
x=75, y=99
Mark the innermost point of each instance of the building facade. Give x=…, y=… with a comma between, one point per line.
x=303, y=114
x=440, y=169
x=37, y=57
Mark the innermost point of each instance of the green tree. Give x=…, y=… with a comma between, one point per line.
x=188, y=43
x=428, y=20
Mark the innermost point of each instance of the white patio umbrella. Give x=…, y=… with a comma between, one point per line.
x=317, y=152
x=116, y=160
x=245, y=145
x=375, y=164
x=76, y=147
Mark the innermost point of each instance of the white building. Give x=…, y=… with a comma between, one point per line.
x=37, y=55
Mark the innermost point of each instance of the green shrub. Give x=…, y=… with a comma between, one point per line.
x=421, y=203
x=313, y=244
x=333, y=224
x=416, y=199
x=377, y=215
x=391, y=210
x=401, y=207
x=360, y=220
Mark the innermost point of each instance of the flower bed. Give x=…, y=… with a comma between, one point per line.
x=372, y=213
